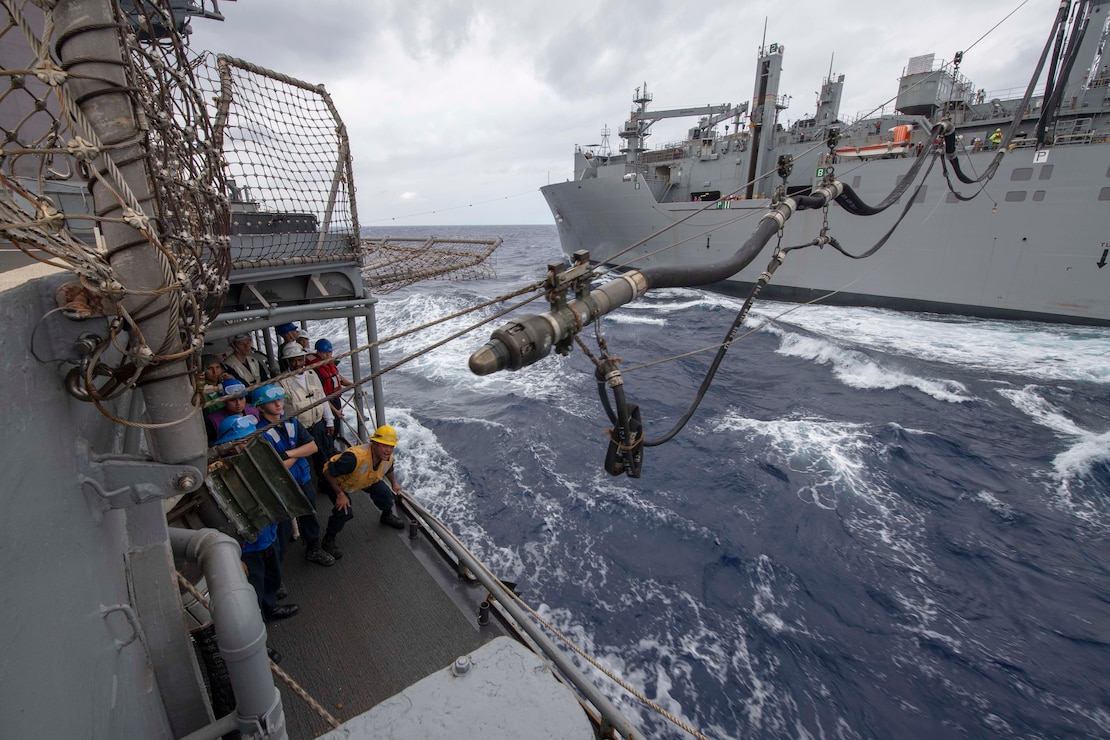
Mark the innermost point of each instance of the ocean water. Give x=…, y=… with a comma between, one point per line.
x=877, y=525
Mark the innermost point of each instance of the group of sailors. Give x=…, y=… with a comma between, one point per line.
x=293, y=419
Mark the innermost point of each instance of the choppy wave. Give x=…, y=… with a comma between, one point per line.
x=1042, y=351
x=857, y=370
x=1083, y=452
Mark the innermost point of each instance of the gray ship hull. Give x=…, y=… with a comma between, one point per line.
x=1028, y=253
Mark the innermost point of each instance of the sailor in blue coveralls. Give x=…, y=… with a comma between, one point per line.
x=295, y=446
x=260, y=556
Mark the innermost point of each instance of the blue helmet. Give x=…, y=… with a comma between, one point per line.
x=265, y=394
x=232, y=387
x=285, y=328
x=236, y=427
x=323, y=345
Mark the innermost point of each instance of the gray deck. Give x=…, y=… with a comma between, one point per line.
x=372, y=624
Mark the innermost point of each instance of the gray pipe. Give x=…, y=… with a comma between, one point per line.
x=241, y=635
x=224, y=725
x=356, y=377
x=375, y=365
x=89, y=48
x=261, y=318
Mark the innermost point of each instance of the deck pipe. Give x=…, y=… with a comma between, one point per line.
x=89, y=50
x=262, y=318
x=241, y=635
x=530, y=338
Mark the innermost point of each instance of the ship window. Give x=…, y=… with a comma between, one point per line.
x=1015, y=196
x=1022, y=173
x=921, y=194
x=1045, y=173
x=1038, y=196
x=1104, y=194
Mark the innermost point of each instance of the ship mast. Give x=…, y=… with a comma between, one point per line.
x=765, y=107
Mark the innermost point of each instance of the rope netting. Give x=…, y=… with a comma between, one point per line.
x=392, y=263
x=288, y=165
x=157, y=172
x=221, y=165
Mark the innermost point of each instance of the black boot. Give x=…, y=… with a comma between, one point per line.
x=280, y=611
x=331, y=547
x=388, y=517
x=316, y=554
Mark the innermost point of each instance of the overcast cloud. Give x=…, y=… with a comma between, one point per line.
x=468, y=108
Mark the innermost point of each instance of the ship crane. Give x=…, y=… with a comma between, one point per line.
x=639, y=123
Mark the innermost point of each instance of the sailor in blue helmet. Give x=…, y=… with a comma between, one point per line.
x=234, y=395
x=260, y=557
x=286, y=333
x=294, y=445
x=236, y=427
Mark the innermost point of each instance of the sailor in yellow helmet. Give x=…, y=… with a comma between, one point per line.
x=369, y=468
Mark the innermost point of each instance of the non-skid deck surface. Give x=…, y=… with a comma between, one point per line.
x=369, y=626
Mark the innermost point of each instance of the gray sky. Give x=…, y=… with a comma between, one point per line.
x=467, y=108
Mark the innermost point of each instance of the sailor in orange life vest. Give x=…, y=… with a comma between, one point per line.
x=330, y=379
x=367, y=467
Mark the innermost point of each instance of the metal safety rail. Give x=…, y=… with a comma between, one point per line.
x=611, y=718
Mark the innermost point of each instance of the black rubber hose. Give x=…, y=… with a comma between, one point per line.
x=691, y=277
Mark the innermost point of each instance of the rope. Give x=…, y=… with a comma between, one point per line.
x=188, y=223
x=366, y=347
x=768, y=322
x=289, y=681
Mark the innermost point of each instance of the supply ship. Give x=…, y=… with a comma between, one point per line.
x=1021, y=235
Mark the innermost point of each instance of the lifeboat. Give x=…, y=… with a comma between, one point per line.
x=898, y=146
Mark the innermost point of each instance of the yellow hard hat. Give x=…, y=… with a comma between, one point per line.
x=386, y=435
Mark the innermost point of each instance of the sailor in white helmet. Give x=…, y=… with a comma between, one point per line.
x=304, y=398
x=243, y=364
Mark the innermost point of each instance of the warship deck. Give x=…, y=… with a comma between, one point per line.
x=390, y=612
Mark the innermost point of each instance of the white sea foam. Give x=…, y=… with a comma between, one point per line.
x=997, y=506
x=1087, y=448
x=1036, y=350
x=857, y=370
x=432, y=477
x=1084, y=449
x=828, y=455
x=631, y=319
x=768, y=597
x=829, y=461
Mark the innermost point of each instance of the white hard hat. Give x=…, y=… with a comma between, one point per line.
x=292, y=349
